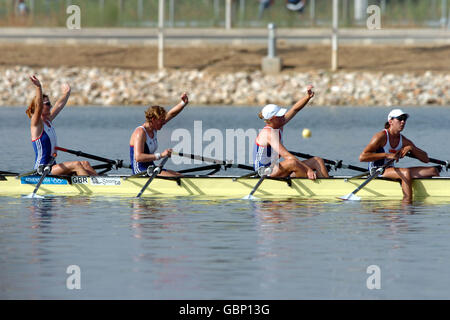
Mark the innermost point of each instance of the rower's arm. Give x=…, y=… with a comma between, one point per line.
x=61, y=103
x=299, y=105
x=280, y=149
x=38, y=103
x=178, y=108
x=416, y=152
x=139, y=143
x=370, y=151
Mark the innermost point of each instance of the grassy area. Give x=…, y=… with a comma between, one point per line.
x=211, y=13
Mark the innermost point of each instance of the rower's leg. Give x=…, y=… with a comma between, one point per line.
x=88, y=168
x=316, y=163
x=170, y=173
x=68, y=168
x=288, y=167
x=424, y=172
x=404, y=174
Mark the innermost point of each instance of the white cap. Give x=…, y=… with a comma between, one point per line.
x=396, y=113
x=272, y=110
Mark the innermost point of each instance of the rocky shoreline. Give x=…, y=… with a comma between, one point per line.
x=119, y=87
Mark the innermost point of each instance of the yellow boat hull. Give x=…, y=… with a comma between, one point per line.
x=222, y=187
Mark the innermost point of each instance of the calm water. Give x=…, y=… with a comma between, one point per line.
x=222, y=249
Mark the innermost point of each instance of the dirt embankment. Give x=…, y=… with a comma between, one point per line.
x=228, y=59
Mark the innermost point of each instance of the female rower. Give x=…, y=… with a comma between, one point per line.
x=43, y=135
x=143, y=141
x=269, y=147
x=390, y=144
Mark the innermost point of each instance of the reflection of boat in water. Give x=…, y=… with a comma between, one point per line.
x=222, y=187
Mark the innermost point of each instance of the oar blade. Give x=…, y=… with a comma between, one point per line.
x=250, y=197
x=350, y=197
x=33, y=196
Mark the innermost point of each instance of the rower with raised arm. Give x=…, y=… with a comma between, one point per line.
x=144, y=142
x=43, y=135
x=391, y=144
x=269, y=147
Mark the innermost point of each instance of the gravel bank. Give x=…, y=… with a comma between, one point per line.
x=109, y=87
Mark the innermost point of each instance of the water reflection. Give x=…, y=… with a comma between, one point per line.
x=152, y=221
x=42, y=213
x=149, y=217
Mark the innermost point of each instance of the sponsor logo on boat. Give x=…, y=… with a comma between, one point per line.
x=79, y=180
x=47, y=180
x=105, y=181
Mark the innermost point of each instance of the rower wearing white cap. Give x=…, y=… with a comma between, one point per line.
x=390, y=144
x=269, y=144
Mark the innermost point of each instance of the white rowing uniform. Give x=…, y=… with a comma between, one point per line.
x=387, y=148
x=44, y=146
x=264, y=156
x=151, y=144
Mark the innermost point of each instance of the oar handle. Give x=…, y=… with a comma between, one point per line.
x=337, y=164
x=445, y=164
x=86, y=155
x=201, y=158
x=225, y=164
x=117, y=163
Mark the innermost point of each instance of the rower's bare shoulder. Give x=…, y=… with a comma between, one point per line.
x=378, y=140
x=263, y=137
x=379, y=137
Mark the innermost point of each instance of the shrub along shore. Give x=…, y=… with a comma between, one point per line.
x=119, y=87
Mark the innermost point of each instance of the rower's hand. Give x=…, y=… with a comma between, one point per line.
x=311, y=174
x=309, y=91
x=184, y=98
x=395, y=156
x=166, y=153
x=65, y=88
x=35, y=81
x=405, y=150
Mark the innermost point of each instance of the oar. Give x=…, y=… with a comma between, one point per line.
x=445, y=164
x=46, y=171
x=265, y=173
x=226, y=164
x=137, y=175
x=116, y=163
x=8, y=173
x=353, y=196
x=27, y=174
x=358, y=176
x=245, y=176
x=156, y=170
x=337, y=164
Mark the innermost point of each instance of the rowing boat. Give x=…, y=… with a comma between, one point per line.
x=220, y=186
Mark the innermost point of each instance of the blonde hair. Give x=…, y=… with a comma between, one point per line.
x=155, y=112
x=260, y=115
x=32, y=106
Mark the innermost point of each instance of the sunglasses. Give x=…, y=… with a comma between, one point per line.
x=401, y=118
x=47, y=103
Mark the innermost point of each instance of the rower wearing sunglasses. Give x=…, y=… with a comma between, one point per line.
x=390, y=144
x=43, y=135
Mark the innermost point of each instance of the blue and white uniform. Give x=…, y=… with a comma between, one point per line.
x=263, y=156
x=151, y=144
x=387, y=148
x=44, y=146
